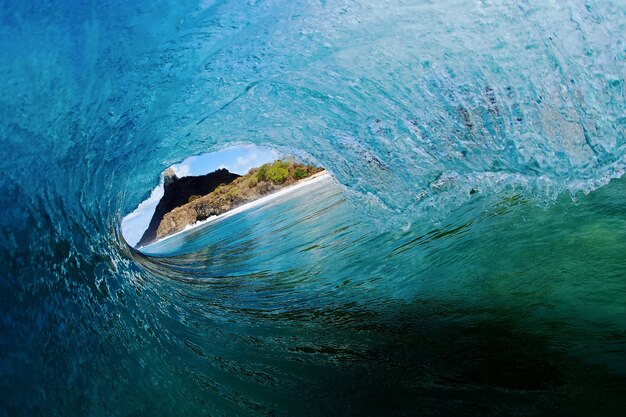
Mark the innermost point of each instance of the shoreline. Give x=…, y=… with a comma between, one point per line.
x=300, y=184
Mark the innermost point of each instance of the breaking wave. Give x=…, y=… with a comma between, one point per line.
x=460, y=263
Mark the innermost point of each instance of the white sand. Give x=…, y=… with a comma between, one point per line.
x=320, y=176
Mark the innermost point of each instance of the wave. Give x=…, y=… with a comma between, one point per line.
x=434, y=271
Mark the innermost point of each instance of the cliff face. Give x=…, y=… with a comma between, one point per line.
x=177, y=193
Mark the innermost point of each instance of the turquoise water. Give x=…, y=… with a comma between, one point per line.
x=467, y=259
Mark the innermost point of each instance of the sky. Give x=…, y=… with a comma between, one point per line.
x=238, y=159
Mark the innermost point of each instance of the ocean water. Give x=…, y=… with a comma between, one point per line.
x=468, y=257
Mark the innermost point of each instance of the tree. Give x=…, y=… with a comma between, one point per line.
x=277, y=172
x=299, y=173
x=261, y=174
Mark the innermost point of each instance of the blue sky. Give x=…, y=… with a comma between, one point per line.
x=238, y=159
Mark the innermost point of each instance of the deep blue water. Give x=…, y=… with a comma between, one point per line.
x=468, y=259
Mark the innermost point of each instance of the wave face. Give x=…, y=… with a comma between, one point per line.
x=454, y=268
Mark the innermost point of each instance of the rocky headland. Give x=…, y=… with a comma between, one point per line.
x=178, y=192
x=257, y=183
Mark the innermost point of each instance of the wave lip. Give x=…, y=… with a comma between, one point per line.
x=453, y=120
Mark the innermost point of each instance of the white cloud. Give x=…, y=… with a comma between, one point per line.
x=243, y=162
x=252, y=159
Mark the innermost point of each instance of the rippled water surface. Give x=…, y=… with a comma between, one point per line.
x=468, y=258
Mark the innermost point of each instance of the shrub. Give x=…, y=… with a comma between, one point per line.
x=261, y=174
x=299, y=174
x=277, y=173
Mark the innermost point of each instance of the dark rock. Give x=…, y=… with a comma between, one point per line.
x=177, y=193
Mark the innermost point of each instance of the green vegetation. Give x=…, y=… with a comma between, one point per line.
x=280, y=171
x=276, y=172
x=261, y=174
x=299, y=173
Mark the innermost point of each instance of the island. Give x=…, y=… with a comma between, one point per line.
x=203, y=198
